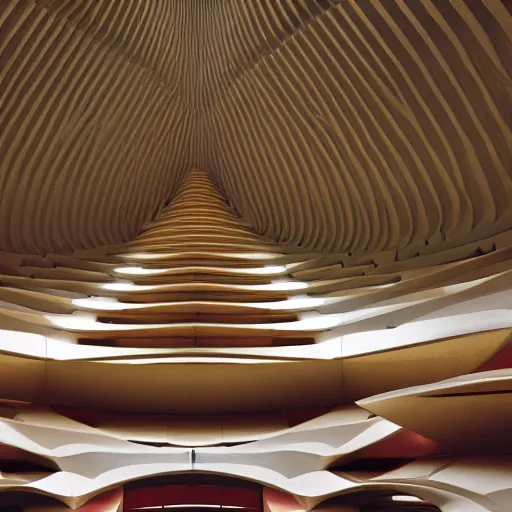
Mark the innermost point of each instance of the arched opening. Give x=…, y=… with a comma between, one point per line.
x=192, y=492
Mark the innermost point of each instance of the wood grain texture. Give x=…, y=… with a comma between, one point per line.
x=224, y=223
x=94, y=132
x=362, y=126
x=349, y=126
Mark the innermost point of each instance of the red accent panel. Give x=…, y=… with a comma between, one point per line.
x=188, y=494
x=13, y=403
x=402, y=444
x=276, y=501
x=12, y=453
x=501, y=360
x=298, y=416
x=86, y=416
x=104, y=502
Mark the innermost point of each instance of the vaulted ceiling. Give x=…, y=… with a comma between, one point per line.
x=341, y=126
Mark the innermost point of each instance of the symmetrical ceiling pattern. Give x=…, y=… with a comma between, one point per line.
x=363, y=126
x=341, y=126
x=78, y=463
x=94, y=130
x=201, y=350
x=318, y=318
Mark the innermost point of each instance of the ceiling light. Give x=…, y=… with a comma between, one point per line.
x=190, y=505
x=143, y=256
x=316, y=323
x=138, y=271
x=125, y=287
x=102, y=304
x=206, y=359
x=298, y=302
x=252, y=255
x=407, y=499
x=79, y=322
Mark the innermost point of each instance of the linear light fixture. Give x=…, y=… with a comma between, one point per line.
x=191, y=505
x=406, y=499
x=126, y=287
x=137, y=271
x=297, y=302
x=141, y=271
x=102, y=303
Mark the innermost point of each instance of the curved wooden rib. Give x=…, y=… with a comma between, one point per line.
x=472, y=412
x=342, y=127
x=350, y=235
x=199, y=302
x=299, y=470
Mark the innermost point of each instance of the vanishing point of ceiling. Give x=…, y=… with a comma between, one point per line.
x=341, y=126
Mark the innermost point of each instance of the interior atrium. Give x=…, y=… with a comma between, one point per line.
x=256, y=255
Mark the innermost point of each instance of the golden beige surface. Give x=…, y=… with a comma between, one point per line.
x=255, y=246
x=194, y=343
x=341, y=126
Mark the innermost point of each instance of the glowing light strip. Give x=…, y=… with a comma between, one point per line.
x=407, y=499
x=297, y=302
x=275, y=286
x=191, y=505
x=89, y=322
x=103, y=304
x=294, y=303
x=140, y=271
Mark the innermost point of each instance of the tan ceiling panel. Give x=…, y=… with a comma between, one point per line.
x=373, y=125
x=352, y=127
x=93, y=138
x=224, y=221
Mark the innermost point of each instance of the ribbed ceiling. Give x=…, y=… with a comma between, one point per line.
x=352, y=126
x=95, y=128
